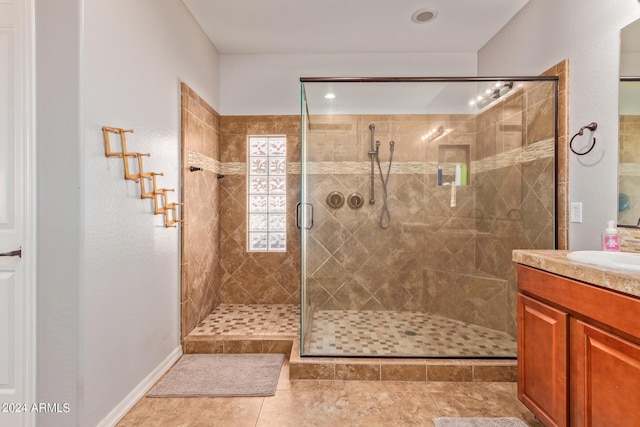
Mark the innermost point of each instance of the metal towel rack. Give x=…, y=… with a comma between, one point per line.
x=592, y=127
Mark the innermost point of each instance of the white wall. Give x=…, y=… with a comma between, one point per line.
x=269, y=84
x=135, y=55
x=108, y=270
x=58, y=374
x=587, y=32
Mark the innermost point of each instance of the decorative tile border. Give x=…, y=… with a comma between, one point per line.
x=538, y=150
x=240, y=168
x=207, y=163
x=293, y=168
x=234, y=168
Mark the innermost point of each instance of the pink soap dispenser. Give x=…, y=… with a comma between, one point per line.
x=610, y=238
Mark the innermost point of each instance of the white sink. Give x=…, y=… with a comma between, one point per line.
x=614, y=260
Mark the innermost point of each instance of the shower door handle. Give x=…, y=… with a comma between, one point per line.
x=308, y=217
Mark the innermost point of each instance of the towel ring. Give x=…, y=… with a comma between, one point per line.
x=592, y=127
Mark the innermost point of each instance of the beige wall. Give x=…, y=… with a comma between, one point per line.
x=200, y=291
x=353, y=263
x=256, y=277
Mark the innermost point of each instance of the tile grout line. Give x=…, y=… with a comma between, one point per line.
x=260, y=411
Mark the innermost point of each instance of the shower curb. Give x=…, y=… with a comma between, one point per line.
x=358, y=369
x=396, y=369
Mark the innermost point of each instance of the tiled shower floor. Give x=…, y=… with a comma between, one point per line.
x=358, y=333
x=251, y=320
x=403, y=333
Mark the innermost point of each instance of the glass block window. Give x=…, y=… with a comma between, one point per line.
x=267, y=193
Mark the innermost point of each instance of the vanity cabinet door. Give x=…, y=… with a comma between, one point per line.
x=605, y=378
x=542, y=360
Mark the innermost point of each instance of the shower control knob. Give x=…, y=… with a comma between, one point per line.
x=355, y=200
x=335, y=199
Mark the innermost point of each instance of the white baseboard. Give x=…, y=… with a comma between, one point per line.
x=127, y=403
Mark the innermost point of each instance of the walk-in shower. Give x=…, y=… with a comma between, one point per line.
x=458, y=173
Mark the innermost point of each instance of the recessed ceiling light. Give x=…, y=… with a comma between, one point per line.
x=424, y=15
x=329, y=96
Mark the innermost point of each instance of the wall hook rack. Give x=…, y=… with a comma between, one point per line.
x=592, y=127
x=161, y=205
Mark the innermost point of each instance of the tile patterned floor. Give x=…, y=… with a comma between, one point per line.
x=323, y=403
x=251, y=320
x=349, y=332
x=336, y=404
x=389, y=333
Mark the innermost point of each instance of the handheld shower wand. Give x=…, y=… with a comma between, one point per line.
x=385, y=215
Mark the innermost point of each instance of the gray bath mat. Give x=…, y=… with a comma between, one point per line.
x=478, y=422
x=218, y=375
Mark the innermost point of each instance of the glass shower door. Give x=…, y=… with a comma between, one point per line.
x=412, y=199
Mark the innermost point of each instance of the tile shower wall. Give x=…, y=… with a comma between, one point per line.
x=274, y=278
x=352, y=262
x=200, y=292
x=256, y=277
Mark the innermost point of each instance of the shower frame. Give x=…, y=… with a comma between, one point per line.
x=553, y=79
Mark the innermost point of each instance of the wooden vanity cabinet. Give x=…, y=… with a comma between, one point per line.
x=578, y=352
x=542, y=360
x=605, y=378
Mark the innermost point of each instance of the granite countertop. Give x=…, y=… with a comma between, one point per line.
x=556, y=262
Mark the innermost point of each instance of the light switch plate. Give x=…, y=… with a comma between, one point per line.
x=576, y=212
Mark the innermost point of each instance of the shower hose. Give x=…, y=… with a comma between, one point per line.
x=385, y=216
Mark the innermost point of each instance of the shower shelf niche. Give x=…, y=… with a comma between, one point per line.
x=449, y=156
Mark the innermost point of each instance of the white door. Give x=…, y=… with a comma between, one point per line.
x=16, y=284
